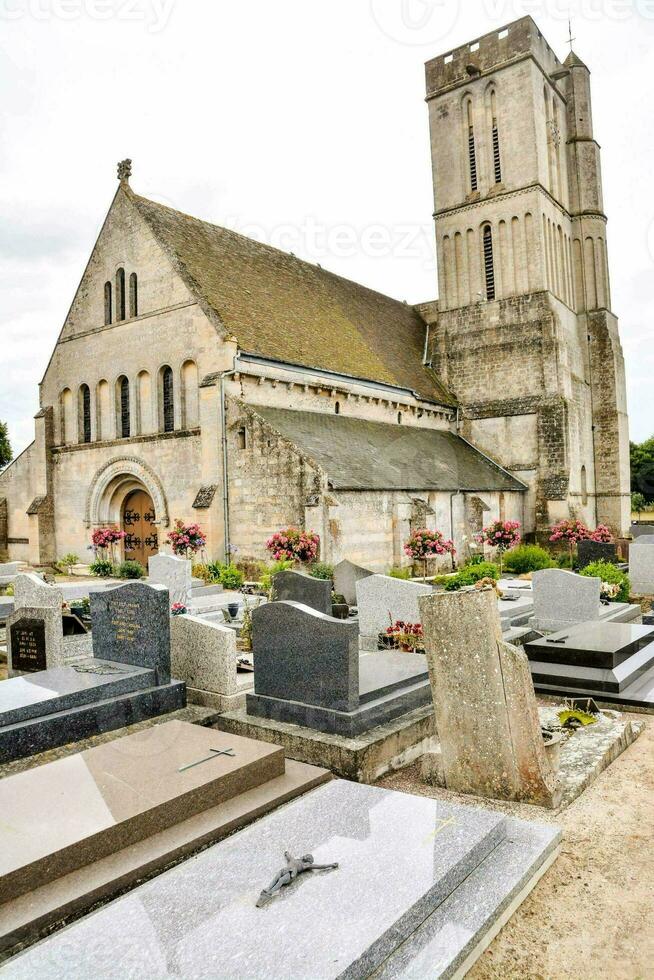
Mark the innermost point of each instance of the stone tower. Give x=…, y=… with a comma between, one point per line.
x=522, y=332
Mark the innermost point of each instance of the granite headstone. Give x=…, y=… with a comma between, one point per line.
x=486, y=713
x=302, y=655
x=131, y=625
x=8, y=572
x=562, y=598
x=203, y=654
x=641, y=568
x=35, y=640
x=31, y=590
x=382, y=600
x=346, y=576
x=591, y=551
x=290, y=586
x=174, y=574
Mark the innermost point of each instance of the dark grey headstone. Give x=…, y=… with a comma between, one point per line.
x=296, y=587
x=590, y=551
x=303, y=655
x=28, y=646
x=131, y=625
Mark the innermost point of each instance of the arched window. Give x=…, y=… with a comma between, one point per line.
x=337, y=408
x=143, y=403
x=241, y=438
x=167, y=404
x=584, y=486
x=495, y=139
x=84, y=416
x=123, y=426
x=133, y=295
x=472, y=153
x=489, y=267
x=399, y=418
x=190, y=403
x=66, y=416
x=107, y=303
x=103, y=410
x=120, y=294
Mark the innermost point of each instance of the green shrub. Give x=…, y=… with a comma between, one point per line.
x=130, y=569
x=607, y=572
x=322, y=570
x=102, y=567
x=201, y=571
x=231, y=577
x=400, y=573
x=9, y=589
x=527, y=558
x=67, y=562
x=269, y=571
x=563, y=560
x=476, y=560
x=471, y=574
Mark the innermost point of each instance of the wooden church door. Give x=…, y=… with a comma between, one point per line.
x=141, y=537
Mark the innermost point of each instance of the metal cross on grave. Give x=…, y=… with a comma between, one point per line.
x=214, y=754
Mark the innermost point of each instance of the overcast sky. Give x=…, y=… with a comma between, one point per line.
x=301, y=122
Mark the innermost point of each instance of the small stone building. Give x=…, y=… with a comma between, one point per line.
x=204, y=376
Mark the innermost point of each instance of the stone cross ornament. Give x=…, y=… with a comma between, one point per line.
x=124, y=169
x=294, y=867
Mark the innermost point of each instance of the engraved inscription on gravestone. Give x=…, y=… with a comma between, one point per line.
x=131, y=624
x=28, y=645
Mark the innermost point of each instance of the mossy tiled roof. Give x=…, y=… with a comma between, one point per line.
x=281, y=307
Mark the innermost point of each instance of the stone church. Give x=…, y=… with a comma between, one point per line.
x=204, y=376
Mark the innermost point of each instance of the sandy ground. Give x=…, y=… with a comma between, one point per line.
x=592, y=914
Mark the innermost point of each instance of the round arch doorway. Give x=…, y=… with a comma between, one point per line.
x=138, y=522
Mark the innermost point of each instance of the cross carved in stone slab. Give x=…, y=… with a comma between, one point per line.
x=214, y=754
x=124, y=169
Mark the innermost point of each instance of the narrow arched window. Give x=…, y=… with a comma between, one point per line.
x=168, y=406
x=495, y=137
x=107, y=303
x=489, y=267
x=120, y=294
x=337, y=408
x=133, y=295
x=584, y=486
x=399, y=418
x=85, y=413
x=241, y=438
x=124, y=419
x=472, y=153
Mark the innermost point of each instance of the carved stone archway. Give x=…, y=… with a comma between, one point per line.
x=113, y=482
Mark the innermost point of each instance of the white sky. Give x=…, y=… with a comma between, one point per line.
x=298, y=121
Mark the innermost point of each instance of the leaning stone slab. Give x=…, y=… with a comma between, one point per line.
x=203, y=654
x=381, y=600
x=35, y=640
x=174, y=574
x=31, y=590
x=292, y=586
x=486, y=712
x=641, y=568
x=562, y=598
x=346, y=576
x=131, y=625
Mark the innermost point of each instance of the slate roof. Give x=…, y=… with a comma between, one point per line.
x=360, y=455
x=283, y=308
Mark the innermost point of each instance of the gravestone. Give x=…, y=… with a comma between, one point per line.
x=382, y=600
x=174, y=574
x=204, y=656
x=8, y=572
x=292, y=586
x=346, y=576
x=641, y=568
x=562, y=598
x=131, y=625
x=486, y=713
x=638, y=530
x=591, y=551
x=302, y=655
x=35, y=640
x=645, y=539
x=31, y=590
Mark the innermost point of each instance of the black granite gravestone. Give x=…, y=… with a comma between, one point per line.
x=292, y=586
x=131, y=625
x=590, y=551
x=28, y=645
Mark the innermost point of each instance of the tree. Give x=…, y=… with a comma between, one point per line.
x=642, y=468
x=6, y=455
x=638, y=504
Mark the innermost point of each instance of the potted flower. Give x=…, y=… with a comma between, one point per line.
x=409, y=637
x=425, y=544
x=292, y=544
x=502, y=535
x=186, y=539
x=177, y=609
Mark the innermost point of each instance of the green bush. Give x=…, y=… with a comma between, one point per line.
x=130, y=569
x=269, y=571
x=471, y=574
x=66, y=562
x=607, y=572
x=102, y=568
x=476, y=560
x=322, y=570
x=400, y=573
x=527, y=558
x=231, y=577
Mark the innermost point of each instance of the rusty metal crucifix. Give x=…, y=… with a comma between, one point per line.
x=214, y=754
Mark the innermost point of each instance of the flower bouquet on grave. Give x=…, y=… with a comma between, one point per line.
x=186, y=539
x=292, y=544
x=425, y=544
x=409, y=637
x=177, y=609
x=502, y=535
x=609, y=591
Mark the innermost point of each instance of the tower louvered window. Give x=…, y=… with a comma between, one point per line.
x=489, y=269
x=86, y=414
x=167, y=396
x=497, y=163
x=124, y=408
x=472, y=156
x=120, y=294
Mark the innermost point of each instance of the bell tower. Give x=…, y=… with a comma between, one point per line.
x=522, y=332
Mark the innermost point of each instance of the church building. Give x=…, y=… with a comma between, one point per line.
x=204, y=376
